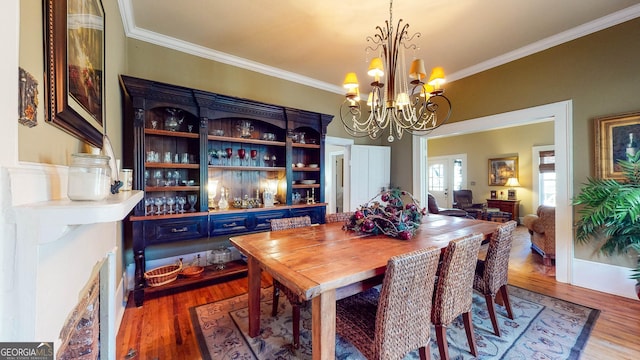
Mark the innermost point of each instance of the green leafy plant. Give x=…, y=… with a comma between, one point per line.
x=611, y=211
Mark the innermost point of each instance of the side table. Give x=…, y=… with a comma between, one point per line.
x=510, y=206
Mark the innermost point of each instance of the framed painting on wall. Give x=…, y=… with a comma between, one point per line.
x=615, y=137
x=501, y=169
x=74, y=80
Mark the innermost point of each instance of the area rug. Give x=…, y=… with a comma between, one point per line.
x=543, y=328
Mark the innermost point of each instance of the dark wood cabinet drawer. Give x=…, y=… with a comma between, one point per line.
x=221, y=225
x=160, y=231
x=263, y=220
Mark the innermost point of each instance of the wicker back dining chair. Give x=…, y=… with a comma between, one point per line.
x=395, y=321
x=338, y=217
x=294, y=299
x=454, y=290
x=491, y=273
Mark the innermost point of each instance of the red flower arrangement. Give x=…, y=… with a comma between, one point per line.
x=388, y=215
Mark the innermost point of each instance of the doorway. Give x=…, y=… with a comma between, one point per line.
x=446, y=174
x=561, y=114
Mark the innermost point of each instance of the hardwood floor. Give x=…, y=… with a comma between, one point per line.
x=161, y=328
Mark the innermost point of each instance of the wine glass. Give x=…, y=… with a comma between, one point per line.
x=148, y=205
x=171, y=201
x=157, y=175
x=241, y=154
x=154, y=124
x=229, y=152
x=273, y=159
x=254, y=155
x=158, y=203
x=221, y=155
x=169, y=181
x=266, y=158
x=181, y=201
x=192, y=198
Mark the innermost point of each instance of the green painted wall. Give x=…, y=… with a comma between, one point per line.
x=599, y=73
x=482, y=146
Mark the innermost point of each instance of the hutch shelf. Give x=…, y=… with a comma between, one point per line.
x=212, y=165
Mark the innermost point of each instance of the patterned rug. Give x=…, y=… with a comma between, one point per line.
x=543, y=328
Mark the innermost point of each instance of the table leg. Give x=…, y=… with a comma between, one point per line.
x=254, y=274
x=323, y=325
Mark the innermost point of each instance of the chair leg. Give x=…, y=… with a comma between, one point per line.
x=468, y=327
x=296, y=325
x=492, y=313
x=505, y=297
x=443, y=346
x=425, y=353
x=276, y=295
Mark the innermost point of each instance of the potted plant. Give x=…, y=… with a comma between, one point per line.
x=610, y=212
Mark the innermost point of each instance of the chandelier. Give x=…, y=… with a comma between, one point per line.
x=394, y=102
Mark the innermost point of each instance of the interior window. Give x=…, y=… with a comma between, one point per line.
x=547, y=183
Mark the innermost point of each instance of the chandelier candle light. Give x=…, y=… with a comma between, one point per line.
x=400, y=108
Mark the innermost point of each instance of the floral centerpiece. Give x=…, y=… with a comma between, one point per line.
x=386, y=213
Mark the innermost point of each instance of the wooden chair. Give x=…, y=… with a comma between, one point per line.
x=338, y=217
x=390, y=324
x=454, y=290
x=491, y=273
x=294, y=299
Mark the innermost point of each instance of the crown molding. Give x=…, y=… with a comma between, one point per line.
x=602, y=23
x=132, y=31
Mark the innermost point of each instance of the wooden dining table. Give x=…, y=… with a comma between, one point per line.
x=324, y=263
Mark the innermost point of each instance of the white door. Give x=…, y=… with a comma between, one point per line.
x=370, y=173
x=446, y=173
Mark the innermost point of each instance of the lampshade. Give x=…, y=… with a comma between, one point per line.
x=376, y=69
x=417, y=70
x=403, y=99
x=426, y=90
x=512, y=182
x=350, y=81
x=437, y=77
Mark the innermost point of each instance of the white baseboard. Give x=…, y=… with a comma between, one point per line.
x=606, y=278
x=121, y=303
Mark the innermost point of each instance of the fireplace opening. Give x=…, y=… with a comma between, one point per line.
x=80, y=336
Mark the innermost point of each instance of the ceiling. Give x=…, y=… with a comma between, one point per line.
x=317, y=42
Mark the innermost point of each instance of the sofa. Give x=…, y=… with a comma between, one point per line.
x=542, y=227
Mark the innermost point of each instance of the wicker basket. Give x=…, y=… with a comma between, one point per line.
x=163, y=275
x=192, y=271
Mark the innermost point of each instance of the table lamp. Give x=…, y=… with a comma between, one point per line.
x=511, y=184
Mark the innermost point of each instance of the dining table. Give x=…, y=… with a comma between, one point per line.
x=324, y=263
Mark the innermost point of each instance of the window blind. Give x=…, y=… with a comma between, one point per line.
x=547, y=161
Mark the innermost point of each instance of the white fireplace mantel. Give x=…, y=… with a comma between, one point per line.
x=57, y=217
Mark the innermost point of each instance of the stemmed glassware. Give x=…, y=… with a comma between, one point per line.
x=221, y=155
x=192, y=198
x=266, y=158
x=273, y=159
x=158, y=177
x=229, y=152
x=181, y=201
x=148, y=205
x=158, y=203
x=254, y=155
x=241, y=154
x=171, y=201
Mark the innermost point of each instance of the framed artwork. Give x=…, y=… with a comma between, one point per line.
x=615, y=137
x=494, y=195
x=74, y=80
x=501, y=169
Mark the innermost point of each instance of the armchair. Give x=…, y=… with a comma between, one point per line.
x=435, y=209
x=463, y=199
x=542, y=227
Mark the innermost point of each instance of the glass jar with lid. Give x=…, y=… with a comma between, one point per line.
x=89, y=177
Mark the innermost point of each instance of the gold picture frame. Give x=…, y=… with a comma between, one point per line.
x=612, y=136
x=74, y=79
x=501, y=169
